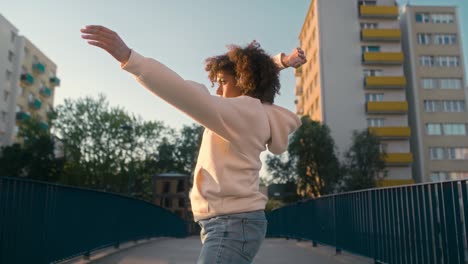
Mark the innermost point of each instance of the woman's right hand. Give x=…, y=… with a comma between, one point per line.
x=108, y=40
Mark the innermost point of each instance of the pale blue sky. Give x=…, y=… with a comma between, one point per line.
x=179, y=33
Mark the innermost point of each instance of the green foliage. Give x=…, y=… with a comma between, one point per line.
x=104, y=148
x=363, y=162
x=313, y=151
x=281, y=168
x=34, y=158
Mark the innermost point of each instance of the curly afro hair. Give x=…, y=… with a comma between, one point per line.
x=256, y=73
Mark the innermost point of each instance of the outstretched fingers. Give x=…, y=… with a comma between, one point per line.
x=108, y=40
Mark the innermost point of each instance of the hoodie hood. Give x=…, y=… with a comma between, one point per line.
x=282, y=123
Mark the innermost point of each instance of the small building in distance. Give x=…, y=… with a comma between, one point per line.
x=171, y=192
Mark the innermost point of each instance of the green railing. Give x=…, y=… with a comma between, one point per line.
x=44, y=223
x=423, y=223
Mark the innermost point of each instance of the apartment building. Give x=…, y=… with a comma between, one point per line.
x=436, y=92
x=28, y=81
x=171, y=191
x=354, y=79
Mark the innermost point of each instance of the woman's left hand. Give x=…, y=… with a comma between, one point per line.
x=108, y=40
x=295, y=59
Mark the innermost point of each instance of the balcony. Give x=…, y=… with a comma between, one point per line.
x=381, y=35
x=35, y=103
x=55, y=81
x=391, y=132
x=38, y=68
x=382, y=12
x=20, y=116
x=385, y=107
x=382, y=58
x=46, y=92
x=398, y=159
x=26, y=79
x=385, y=82
x=44, y=125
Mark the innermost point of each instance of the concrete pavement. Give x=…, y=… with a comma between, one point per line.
x=185, y=251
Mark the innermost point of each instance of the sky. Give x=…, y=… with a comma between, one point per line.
x=179, y=33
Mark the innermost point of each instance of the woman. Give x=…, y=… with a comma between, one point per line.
x=239, y=124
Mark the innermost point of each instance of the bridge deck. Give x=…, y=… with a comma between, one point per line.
x=185, y=251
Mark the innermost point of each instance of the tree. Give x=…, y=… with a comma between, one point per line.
x=188, y=145
x=34, y=158
x=313, y=150
x=363, y=162
x=104, y=146
x=281, y=168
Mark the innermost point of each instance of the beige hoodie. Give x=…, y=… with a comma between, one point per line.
x=237, y=130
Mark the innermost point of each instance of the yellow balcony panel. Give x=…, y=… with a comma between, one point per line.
x=390, y=132
x=381, y=35
x=398, y=159
x=385, y=82
x=382, y=58
x=387, y=107
x=394, y=182
x=386, y=12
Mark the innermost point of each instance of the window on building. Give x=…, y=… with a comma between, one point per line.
x=424, y=38
x=181, y=202
x=12, y=37
x=4, y=116
x=446, y=61
x=454, y=129
x=5, y=95
x=30, y=98
x=436, y=153
x=181, y=186
x=11, y=56
x=369, y=25
x=453, y=106
x=457, y=153
x=166, y=187
x=422, y=18
x=26, y=52
x=19, y=108
x=8, y=75
x=370, y=49
x=426, y=61
x=168, y=202
x=452, y=83
x=428, y=83
x=368, y=2
x=445, y=39
x=372, y=72
x=374, y=97
x=375, y=122
x=433, y=129
x=438, y=176
x=431, y=105
x=442, y=18
x=458, y=175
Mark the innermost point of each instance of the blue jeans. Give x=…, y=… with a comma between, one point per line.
x=232, y=239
